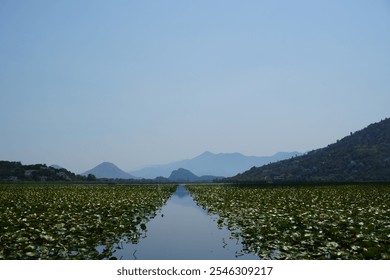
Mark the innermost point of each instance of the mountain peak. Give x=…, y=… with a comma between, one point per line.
x=206, y=154
x=183, y=175
x=108, y=170
x=106, y=163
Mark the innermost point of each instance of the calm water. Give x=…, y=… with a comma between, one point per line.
x=182, y=230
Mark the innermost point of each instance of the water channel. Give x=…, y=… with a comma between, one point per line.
x=184, y=231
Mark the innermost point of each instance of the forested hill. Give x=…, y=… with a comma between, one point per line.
x=361, y=156
x=15, y=171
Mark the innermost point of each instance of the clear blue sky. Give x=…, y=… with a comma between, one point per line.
x=143, y=82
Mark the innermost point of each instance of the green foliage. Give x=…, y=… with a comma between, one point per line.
x=15, y=171
x=307, y=222
x=91, y=177
x=69, y=222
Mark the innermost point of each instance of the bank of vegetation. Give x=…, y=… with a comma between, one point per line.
x=303, y=222
x=74, y=221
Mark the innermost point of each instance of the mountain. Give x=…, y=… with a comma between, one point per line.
x=184, y=175
x=108, y=170
x=223, y=164
x=361, y=156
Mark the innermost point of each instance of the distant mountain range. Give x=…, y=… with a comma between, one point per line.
x=204, y=167
x=361, y=156
x=223, y=164
x=108, y=170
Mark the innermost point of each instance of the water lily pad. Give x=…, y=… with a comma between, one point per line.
x=311, y=222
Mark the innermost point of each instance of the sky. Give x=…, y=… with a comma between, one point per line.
x=148, y=82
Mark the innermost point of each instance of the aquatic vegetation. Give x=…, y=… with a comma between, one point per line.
x=305, y=222
x=69, y=222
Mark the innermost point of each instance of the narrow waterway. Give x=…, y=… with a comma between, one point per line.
x=182, y=231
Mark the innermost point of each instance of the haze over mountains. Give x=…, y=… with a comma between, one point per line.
x=363, y=156
x=207, y=163
x=204, y=167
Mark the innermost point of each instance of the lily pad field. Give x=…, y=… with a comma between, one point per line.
x=72, y=222
x=81, y=221
x=304, y=222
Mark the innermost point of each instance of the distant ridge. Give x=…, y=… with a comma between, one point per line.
x=55, y=166
x=361, y=156
x=208, y=163
x=108, y=170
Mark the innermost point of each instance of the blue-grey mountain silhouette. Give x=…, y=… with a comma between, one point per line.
x=207, y=163
x=108, y=170
x=184, y=175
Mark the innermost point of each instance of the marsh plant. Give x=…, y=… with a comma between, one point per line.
x=70, y=222
x=304, y=222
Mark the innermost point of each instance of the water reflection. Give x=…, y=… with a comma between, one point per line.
x=182, y=230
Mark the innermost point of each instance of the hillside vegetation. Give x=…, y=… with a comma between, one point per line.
x=360, y=157
x=15, y=171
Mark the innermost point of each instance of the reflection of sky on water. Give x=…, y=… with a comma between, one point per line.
x=182, y=230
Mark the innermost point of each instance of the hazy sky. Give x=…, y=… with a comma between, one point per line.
x=143, y=82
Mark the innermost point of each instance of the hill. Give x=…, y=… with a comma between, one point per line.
x=184, y=175
x=108, y=170
x=361, y=156
x=15, y=171
x=222, y=164
x=56, y=166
